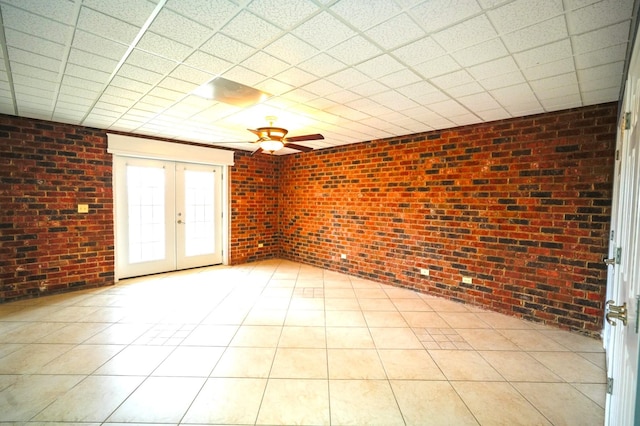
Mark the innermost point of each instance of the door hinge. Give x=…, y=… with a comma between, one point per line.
x=618, y=255
x=613, y=233
x=626, y=121
x=617, y=155
x=609, y=385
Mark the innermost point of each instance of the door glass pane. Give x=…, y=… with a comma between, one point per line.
x=145, y=189
x=199, y=218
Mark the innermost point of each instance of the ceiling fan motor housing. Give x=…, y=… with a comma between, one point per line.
x=271, y=133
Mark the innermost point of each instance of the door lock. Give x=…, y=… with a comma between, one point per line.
x=616, y=312
x=610, y=261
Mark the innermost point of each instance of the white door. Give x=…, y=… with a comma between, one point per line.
x=168, y=216
x=623, y=286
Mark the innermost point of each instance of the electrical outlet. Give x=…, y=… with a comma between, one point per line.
x=424, y=272
x=343, y=256
x=467, y=280
x=83, y=208
x=260, y=245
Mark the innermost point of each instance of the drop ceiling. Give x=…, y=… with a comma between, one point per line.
x=353, y=70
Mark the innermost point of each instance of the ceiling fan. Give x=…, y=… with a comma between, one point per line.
x=271, y=139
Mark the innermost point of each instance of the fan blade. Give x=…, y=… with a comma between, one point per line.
x=257, y=151
x=305, y=138
x=298, y=147
x=255, y=132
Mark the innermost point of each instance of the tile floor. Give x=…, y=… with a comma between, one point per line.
x=279, y=343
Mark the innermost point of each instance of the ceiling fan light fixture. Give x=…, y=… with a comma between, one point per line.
x=270, y=145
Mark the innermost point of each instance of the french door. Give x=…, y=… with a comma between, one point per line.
x=168, y=215
x=623, y=281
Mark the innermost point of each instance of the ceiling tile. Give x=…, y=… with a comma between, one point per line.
x=354, y=51
x=396, y=31
x=348, y=78
x=369, y=88
x=560, y=103
x=394, y=100
x=34, y=44
x=206, y=12
x=419, y=51
x=61, y=11
x=87, y=73
x=448, y=108
x=322, y=88
x=29, y=81
x=465, y=34
x=536, y=35
x=524, y=13
x=164, y=47
x=548, y=70
x=135, y=12
x=119, y=81
x=502, y=80
x=274, y=87
x=265, y=64
x=207, y=62
x=33, y=72
x=465, y=89
x=139, y=74
x=512, y=95
x=227, y=49
x=99, y=45
x=436, y=67
x=555, y=83
x=399, y=78
x=244, y=76
x=483, y=52
x=179, y=85
x=600, y=96
x=610, y=72
x=598, y=15
x=72, y=81
x=418, y=90
x=295, y=77
x=602, y=38
x=283, y=13
x=105, y=26
x=35, y=25
x=127, y=95
x=34, y=60
x=322, y=65
x=479, y=102
x=249, y=29
x=323, y=31
x=78, y=95
x=191, y=75
x=379, y=66
x=89, y=60
x=438, y=14
x=494, y=114
x=544, y=54
x=601, y=57
x=291, y=49
x=116, y=100
x=364, y=15
x=178, y=28
x=453, y=79
x=343, y=97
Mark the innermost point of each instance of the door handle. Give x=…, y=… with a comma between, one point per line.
x=180, y=222
x=616, y=312
x=610, y=261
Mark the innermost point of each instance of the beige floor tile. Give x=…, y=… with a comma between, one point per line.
x=303, y=337
x=265, y=317
x=401, y=293
x=342, y=304
x=227, y=316
x=482, y=397
x=345, y=319
x=519, y=366
x=574, y=341
x=443, y=305
x=431, y=402
x=245, y=362
x=463, y=320
x=339, y=293
x=363, y=402
x=159, y=400
x=349, y=337
x=571, y=367
x=299, y=363
x=217, y=402
x=562, y=404
x=409, y=364
x=27, y=395
x=74, y=333
x=81, y=359
x=135, y=361
x=371, y=293
x=377, y=305
x=501, y=321
x=265, y=336
x=31, y=332
x=92, y=400
x=395, y=338
x=384, y=319
x=487, y=339
x=118, y=334
x=307, y=318
x=71, y=314
x=596, y=358
x=424, y=319
x=307, y=303
x=31, y=358
x=597, y=392
x=355, y=364
x=295, y=402
x=190, y=361
x=211, y=335
x=411, y=305
x=532, y=340
x=464, y=365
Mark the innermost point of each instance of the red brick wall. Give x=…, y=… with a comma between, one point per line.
x=521, y=206
x=46, y=170
x=254, y=208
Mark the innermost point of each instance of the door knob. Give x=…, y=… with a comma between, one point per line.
x=616, y=312
x=610, y=261
x=180, y=222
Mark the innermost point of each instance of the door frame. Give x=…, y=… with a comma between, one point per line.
x=138, y=147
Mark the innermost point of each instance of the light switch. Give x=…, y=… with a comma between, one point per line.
x=83, y=208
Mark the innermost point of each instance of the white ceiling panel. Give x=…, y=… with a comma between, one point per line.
x=352, y=70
